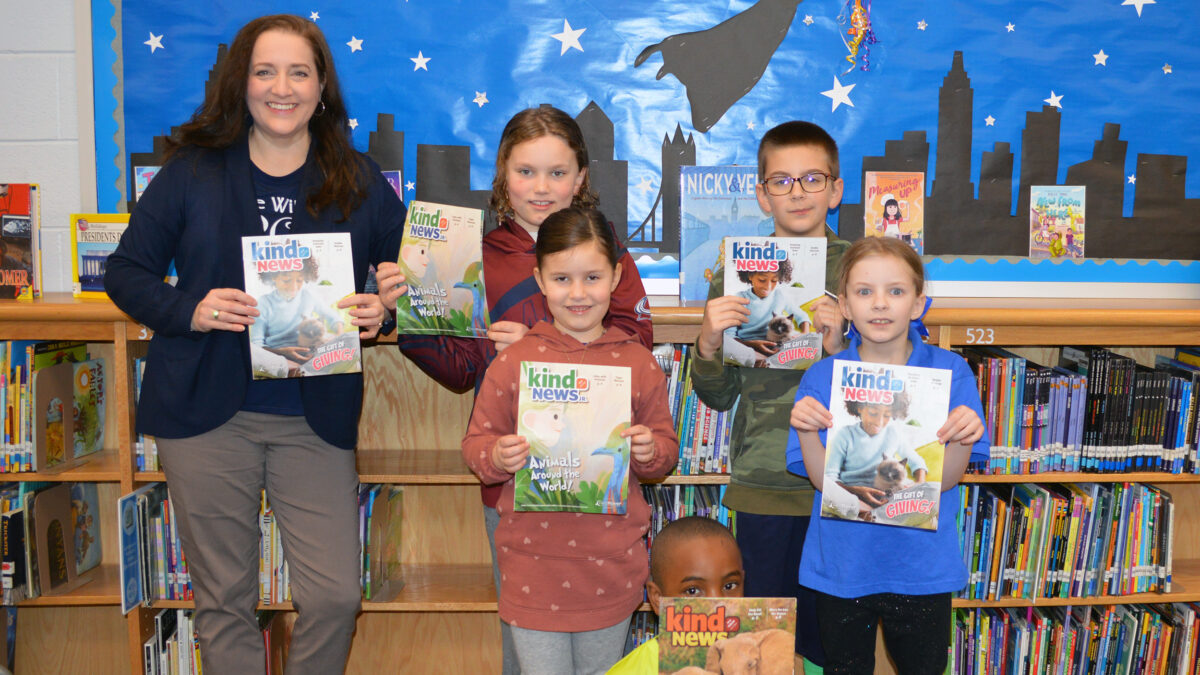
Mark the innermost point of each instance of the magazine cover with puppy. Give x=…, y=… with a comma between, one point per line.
x=297, y=280
x=441, y=256
x=883, y=462
x=726, y=635
x=782, y=277
x=572, y=416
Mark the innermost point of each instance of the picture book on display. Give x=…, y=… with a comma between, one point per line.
x=94, y=236
x=85, y=513
x=723, y=635
x=69, y=413
x=572, y=415
x=55, y=546
x=714, y=202
x=441, y=256
x=298, y=280
x=883, y=462
x=894, y=206
x=1056, y=221
x=20, y=273
x=783, y=277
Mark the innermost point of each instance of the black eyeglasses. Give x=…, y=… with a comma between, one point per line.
x=809, y=182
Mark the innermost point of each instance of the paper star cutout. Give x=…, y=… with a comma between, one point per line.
x=480, y=98
x=1167, y=69
x=353, y=123
x=1132, y=178
x=808, y=20
x=750, y=125
x=1010, y=27
x=314, y=16
x=1101, y=58
x=568, y=37
x=921, y=25
x=410, y=186
x=1055, y=101
x=645, y=186
x=989, y=121
x=419, y=61
x=1138, y=4
x=355, y=44
x=155, y=42
x=839, y=94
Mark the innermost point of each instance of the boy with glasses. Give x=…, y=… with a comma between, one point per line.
x=798, y=184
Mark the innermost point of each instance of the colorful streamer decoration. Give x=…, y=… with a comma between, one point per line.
x=860, y=33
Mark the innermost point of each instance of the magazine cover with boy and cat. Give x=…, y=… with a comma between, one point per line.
x=782, y=277
x=441, y=256
x=298, y=279
x=726, y=635
x=883, y=462
x=572, y=415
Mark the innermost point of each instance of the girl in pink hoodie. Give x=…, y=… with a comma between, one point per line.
x=571, y=581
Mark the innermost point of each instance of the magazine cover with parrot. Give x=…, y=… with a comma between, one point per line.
x=883, y=461
x=441, y=256
x=572, y=415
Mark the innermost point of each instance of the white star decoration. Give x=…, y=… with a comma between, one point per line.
x=839, y=94
x=989, y=121
x=1101, y=58
x=314, y=16
x=355, y=44
x=1132, y=178
x=1055, y=101
x=353, y=123
x=1167, y=69
x=568, y=37
x=1010, y=27
x=1138, y=4
x=410, y=186
x=480, y=98
x=419, y=61
x=155, y=42
x=808, y=20
x=645, y=186
x=921, y=25
x=750, y=125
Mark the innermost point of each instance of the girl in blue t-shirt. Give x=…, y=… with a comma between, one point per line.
x=868, y=573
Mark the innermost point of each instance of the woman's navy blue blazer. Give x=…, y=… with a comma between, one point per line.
x=194, y=212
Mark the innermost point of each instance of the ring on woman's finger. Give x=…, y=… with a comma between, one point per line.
x=216, y=313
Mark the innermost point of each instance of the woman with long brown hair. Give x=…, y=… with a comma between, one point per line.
x=268, y=152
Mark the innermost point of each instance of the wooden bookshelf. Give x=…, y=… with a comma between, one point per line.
x=410, y=433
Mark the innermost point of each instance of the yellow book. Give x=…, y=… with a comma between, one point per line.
x=94, y=236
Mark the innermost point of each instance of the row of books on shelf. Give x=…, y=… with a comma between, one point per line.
x=1066, y=541
x=174, y=646
x=672, y=502
x=93, y=237
x=145, y=450
x=52, y=403
x=51, y=538
x=1082, y=640
x=154, y=567
x=704, y=434
x=1094, y=411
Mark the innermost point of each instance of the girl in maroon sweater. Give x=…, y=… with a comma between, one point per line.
x=541, y=167
x=570, y=581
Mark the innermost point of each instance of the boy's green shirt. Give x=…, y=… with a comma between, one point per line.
x=760, y=482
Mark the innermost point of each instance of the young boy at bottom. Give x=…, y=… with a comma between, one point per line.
x=798, y=173
x=692, y=556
